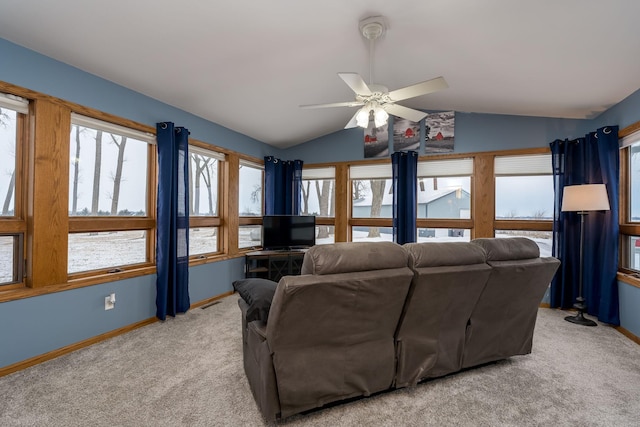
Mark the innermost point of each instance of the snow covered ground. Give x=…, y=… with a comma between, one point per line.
x=89, y=251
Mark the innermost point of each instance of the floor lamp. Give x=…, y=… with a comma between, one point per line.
x=582, y=199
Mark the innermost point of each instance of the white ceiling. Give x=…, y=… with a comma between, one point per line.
x=249, y=64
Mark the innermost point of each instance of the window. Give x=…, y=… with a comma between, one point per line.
x=109, y=221
x=318, y=198
x=371, y=198
x=444, y=193
x=630, y=214
x=524, y=198
x=250, y=190
x=13, y=117
x=204, y=222
x=524, y=187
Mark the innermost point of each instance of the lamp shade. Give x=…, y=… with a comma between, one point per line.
x=587, y=197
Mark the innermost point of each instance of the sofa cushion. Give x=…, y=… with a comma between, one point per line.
x=257, y=293
x=352, y=257
x=508, y=248
x=440, y=254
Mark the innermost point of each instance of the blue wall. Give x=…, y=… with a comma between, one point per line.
x=37, y=325
x=473, y=132
x=33, y=326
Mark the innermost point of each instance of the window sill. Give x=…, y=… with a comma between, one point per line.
x=25, y=292
x=632, y=279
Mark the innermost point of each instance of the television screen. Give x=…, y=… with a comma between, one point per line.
x=288, y=232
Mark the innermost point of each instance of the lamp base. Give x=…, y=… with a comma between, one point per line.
x=579, y=319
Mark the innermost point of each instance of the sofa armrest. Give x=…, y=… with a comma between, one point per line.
x=259, y=328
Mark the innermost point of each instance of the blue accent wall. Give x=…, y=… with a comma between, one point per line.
x=31, y=70
x=38, y=325
x=629, y=308
x=473, y=132
x=33, y=326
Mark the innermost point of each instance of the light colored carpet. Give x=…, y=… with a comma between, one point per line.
x=188, y=372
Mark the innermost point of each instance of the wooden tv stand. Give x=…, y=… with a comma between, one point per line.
x=273, y=264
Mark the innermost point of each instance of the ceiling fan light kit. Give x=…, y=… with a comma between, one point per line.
x=375, y=101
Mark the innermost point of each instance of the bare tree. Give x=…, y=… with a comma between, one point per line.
x=377, y=193
x=206, y=177
x=323, y=198
x=359, y=188
x=117, y=178
x=197, y=160
x=305, y=197
x=539, y=214
x=8, y=197
x=4, y=119
x=76, y=172
x=256, y=193
x=97, y=166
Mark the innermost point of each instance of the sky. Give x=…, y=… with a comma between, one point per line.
x=522, y=196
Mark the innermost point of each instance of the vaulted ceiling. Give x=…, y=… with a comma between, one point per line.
x=248, y=64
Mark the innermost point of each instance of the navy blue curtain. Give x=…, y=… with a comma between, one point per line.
x=593, y=159
x=282, y=186
x=172, y=242
x=405, y=188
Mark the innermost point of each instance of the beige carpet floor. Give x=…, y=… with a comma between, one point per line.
x=188, y=372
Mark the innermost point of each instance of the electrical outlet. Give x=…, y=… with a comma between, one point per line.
x=110, y=302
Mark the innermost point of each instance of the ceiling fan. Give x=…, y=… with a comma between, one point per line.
x=376, y=100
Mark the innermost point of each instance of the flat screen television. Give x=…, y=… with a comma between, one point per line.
x=288, y=232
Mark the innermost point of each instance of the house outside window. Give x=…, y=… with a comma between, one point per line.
x=444, y=193
x=371, y=202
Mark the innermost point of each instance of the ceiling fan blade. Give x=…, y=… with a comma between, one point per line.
x=352, y=123
x=356, y=83
x=419, y=89
x=334, y=104
x=404, y=112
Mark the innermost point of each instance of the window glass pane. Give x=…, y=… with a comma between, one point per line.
x=92, y=251
x=249, y=236
x=542, y=238
x=318, y=197
x=325, y=234
x=107, y=175
x=203, y=240
x=630, y=252
x=371, y=198
x=8, y=135
x=634, y=182
x=524, y=197
x=443, y=235
x=250, y=189
x=203, y=182
x=444, y=197
x=371, y=234
x=8, y=268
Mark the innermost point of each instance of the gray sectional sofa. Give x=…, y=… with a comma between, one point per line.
x=368, y=317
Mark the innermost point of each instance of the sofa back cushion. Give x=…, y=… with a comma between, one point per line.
x=512, y=248
x=449, y=278
x=423, y=255
x=332, y=334
x=353, y=257
x=503, y=321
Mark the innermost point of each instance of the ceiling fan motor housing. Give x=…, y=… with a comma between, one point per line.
x=373, y=27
